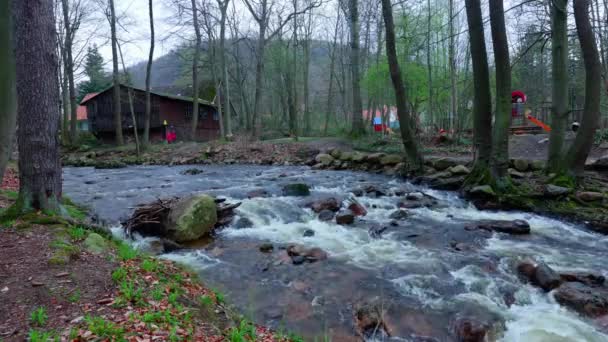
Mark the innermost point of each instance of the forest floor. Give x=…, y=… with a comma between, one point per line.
x=64, y=282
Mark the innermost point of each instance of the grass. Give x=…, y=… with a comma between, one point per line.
x=119, y=275
x=41, y=336
x=150, y=265
x=206, y=301
x=130, y=294
x=245, y=331
x=74, y=297
x=104, y=329
x=126, y=252
x=77, y=233
x=39, y=317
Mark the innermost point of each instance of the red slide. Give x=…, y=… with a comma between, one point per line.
x=539, y=123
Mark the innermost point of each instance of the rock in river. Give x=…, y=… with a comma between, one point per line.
x=589, y=301
x=345, y=217
x=296, y=189
x=331, y=204
x=469, y=330
x=540, y=275
x=400, y=214
x=192, y=218
x=326, y=215
x=515, y=227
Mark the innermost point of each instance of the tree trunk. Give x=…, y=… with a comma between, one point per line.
x=559, y=109
x=259, y=73
x=8, y=95
x=131, y=106
x=357, y=110
x=36, y=66
x=224, y=67
x=148, y=115
x=453, y=69
x=502, y=118
x=332, y=62
x=414, y=158
x=69, y=70
x=429, y=65
x=195, y=82
x=579, y=150
x=482, y=104
x=116, y=78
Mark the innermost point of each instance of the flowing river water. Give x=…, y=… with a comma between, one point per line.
x=422, y=282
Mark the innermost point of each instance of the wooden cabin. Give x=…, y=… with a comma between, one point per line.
x=175, y=110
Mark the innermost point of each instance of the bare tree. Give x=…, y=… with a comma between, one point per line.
x=147, y=118
x=482, y=104
x=414, y=158
x=502, y=117
x=357, y=123
x=579, y=150
x=8, y=95
x=195, y=80
x=69, y=66
x=36, y=67
x=116, y=77
x=223, y=6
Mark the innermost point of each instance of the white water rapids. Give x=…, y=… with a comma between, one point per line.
x=414, y=259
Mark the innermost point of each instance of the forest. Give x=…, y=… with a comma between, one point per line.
x=303, y=170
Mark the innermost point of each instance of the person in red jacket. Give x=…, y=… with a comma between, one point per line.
x=171, y=135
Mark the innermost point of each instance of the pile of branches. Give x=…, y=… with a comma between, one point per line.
x=149, y=219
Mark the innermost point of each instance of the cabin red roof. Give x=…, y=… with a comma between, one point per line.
x=81, y=112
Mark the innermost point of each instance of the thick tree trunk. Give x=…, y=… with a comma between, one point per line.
x=195, y=82
x=8, y=94
x=357, y=110
x=116, y=78
x=502, y=118
x=579, y=150
x=38, y=138
x=482, y=104
x=69, y=69
x=559, y=110
x=148, y=115
x=414, y=158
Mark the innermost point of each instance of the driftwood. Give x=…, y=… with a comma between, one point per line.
x=150, y=219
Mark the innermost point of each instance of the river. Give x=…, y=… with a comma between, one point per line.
x=423, y=283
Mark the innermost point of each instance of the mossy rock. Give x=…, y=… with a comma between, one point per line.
x=95, y=243
x=192, y=218
x=391, y=159
x=358, y=157
x=324, y=159
x=346, y=156
x=296, y=189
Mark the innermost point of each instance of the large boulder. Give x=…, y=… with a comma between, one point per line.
x=601, y=163
x=375, y=158
x=296, y=189
x=521, y=165
x=515, y=227
x=358, y=157
x=336, y=153
x=192, y=218
x=459, y=170
x=589, y=196
x=443, y=163
x=469, y=329
x=346, y=156
x=552, y=190
x=588, y=301
x=345, y=217
x=95, y=243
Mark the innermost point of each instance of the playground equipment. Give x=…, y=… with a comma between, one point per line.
x=520, y=119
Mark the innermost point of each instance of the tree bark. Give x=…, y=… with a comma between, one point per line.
x=429, y=64
x=482, y=104
x=195, y=82
x=36, y=67
x=131, y=106
x=69, y=69
x=357, y=110
x=414, y=158
x=8, y=94
x=116, y=78
x=559, y=109
x=502, y=117
x=332, y=62
x=453, y=69
x=224, y=66
x=579, y=150
x=148, y=115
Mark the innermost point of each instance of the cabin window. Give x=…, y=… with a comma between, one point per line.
x=216, y=116
x=202, y=112
x=189, y=112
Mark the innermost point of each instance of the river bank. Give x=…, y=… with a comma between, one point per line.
x=444, y=170
x=61, y=281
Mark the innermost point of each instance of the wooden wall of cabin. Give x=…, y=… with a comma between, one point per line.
x=101, y=111
x=179, y=115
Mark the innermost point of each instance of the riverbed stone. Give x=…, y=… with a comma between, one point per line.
x=399, y=214
x=459, y=170
x=308, y=233
x=589, y=279
x=590, y=196
x=546, y=277
x=521, y=165
x=346, y=156
x=375, y=158
x=192, y=218
x=266, y=248
x=357, y=209
x=552, y=190
x=358, y=157
x=515, y=227
x=469, y=329
x=443, y=163
x=243, y=222
x=336, y=153
x=345, y=217
x=391, y=159
x=600, y=164
x=516, y=174
x=482, y=191
x=324, y=159
x=326, y=204
x=448, y=184
x=370, y=319
x=588, y=301
x=296, y=189
x=326, y=215
x=537, y=165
